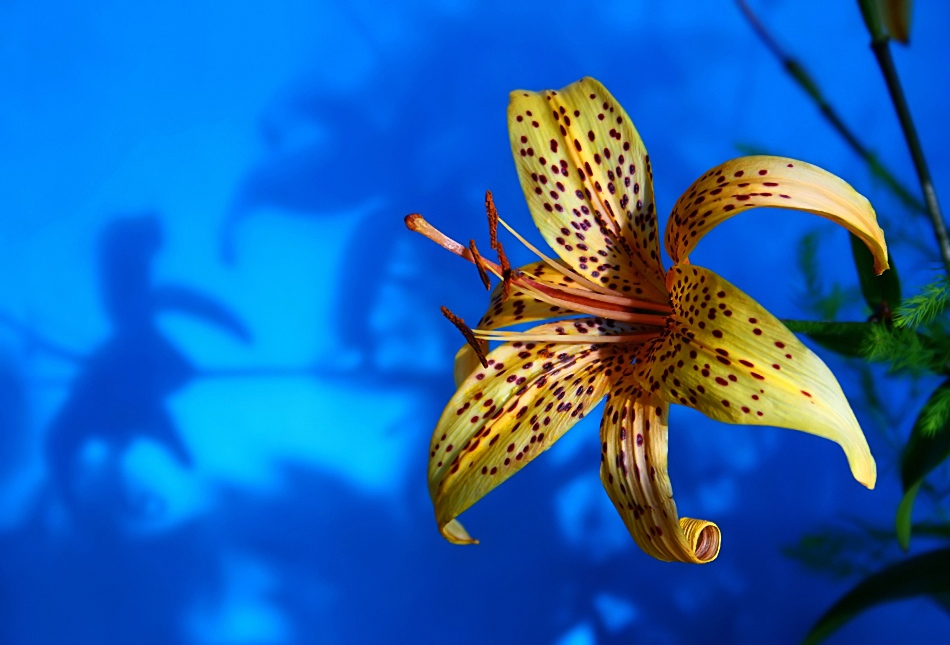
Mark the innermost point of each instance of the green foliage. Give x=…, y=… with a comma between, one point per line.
x=910, y=337
x=927, y=574
x=905, y=350
x=924, y=308
x=881, y=292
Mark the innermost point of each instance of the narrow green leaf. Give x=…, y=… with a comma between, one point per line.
x=845, y=338
x=881, y=292
x=935, y=413
x=925, y=450
x=903, y=521
x=924, y=574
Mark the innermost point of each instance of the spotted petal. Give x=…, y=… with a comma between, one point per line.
x=504, y=415
x=633, y=470
x=747, y=182
x=587, y=178
x=728, y=357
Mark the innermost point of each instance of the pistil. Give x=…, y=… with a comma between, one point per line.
x=585, y=339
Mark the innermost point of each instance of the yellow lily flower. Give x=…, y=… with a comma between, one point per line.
x=644, y=337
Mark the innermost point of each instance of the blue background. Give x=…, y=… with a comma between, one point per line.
x=221, y=354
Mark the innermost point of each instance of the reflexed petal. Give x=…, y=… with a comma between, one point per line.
x=633, y=469
x=588, y=182
x=503, y=416
x=732, y=360
x=747, y=182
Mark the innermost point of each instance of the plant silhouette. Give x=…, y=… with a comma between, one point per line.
x=119, y=394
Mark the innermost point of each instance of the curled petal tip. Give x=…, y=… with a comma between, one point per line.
x=454, y=532
x=704, y=537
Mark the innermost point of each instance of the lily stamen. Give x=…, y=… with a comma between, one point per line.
x=467, y=332
x=505, y=270
x=567, y=273
x=606, y=305
x=479, y=264
x=492, y=219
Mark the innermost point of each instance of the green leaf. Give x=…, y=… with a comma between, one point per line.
x=924, y=574
x=845, y=338
x=927, y=448
x=881, y=292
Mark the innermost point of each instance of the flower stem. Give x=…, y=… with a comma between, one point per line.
x=801, y=76
x=880, y=45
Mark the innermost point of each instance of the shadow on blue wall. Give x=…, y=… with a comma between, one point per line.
x=318, y=558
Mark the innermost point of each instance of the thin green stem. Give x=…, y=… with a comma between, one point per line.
x=882, y=51
x=801, y=76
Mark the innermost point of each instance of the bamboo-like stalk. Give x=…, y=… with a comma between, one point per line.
x=880, y=45
x=801, y=76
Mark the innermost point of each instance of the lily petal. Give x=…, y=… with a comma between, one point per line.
x=467, y=361
x=503, y=416
x=587, y=179
x=732, y=360
x=633, y=470
x=747, y=182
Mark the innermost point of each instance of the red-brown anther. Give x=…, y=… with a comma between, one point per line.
x=479, y=264
x=492, y=219
x=467, y=333
x=505, y=270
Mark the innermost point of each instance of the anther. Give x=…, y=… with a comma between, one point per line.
x=467, y=333
x=492, y=219
x=505, y=271
x=480, y=264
